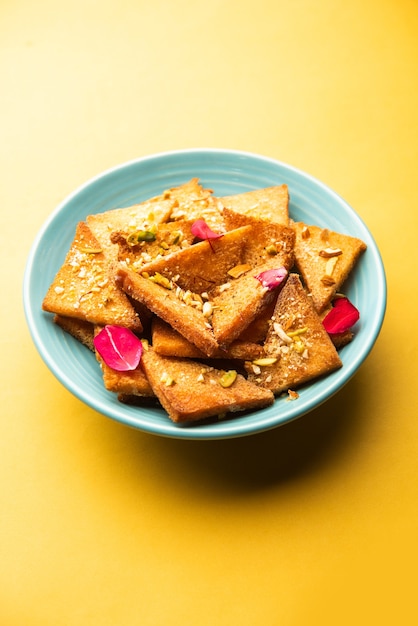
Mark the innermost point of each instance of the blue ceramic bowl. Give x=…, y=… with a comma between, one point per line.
x=226, y=172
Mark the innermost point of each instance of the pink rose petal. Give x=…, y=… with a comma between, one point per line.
x=342, y=317
x=119, y=348
x=272, y=278
x=202, y=231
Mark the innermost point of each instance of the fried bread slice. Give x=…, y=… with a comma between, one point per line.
x=83, y=287
x=168, y=342
x=190, y=391
x=79, y=329
x=270, y=203
x=138, y=248
x=325, y=259
x=187, y=320
x=203, y=266
x=138, y=217
x=193, y=201
x=297, y=342
x=236, y=307
x=268, y=239
x=130, y=383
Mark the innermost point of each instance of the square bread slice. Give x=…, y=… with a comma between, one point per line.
x=270, y=203
x=325, y=259
x=190, y=391
x=84, y=288
x=297, y=343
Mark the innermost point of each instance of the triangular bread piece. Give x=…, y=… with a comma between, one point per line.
x=270, y=203
x=83, y=288
x=193, y=201
x=297, y=342
x=79, y=329
x=325, y=258
x=168, y=342
x=187, y=320
x=190, y=391
x=142, y=216
x=201, y=267
x=268, y=239
x=131, y=383
x=235, y=308
x=136, y=249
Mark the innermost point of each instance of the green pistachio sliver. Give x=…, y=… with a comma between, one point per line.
x=159, y=279
x=272, y=250
x=299, y=331
x=141, y=235
x=228, y=378
x=264, y=362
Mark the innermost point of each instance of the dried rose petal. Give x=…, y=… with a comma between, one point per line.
x=272, y=278
x=119, y=348
x=342, y=317
x=201, y=230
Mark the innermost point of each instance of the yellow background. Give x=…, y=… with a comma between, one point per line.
x=312, y=523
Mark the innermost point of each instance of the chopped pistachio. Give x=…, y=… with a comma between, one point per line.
x=264, y=362
x=298, y=331
x=159, y=279
x=272, y=249
x=228, y=378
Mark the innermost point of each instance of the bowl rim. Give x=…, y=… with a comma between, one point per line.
x=229, y=428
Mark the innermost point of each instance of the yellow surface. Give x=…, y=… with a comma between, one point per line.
x=314, y=523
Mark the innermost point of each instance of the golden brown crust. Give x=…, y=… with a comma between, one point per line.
x=235, y=308
x=84, y=286
x=268, y=239
x=79, y=329
x=168, y=342
x=204, y=265
x=298, y=342
x=325, y=258
x=190, y=391
x=130, y=219
x=133, y=382
x=270, y=203
x=188, y=321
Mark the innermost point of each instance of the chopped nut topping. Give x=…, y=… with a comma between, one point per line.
x=272, y=249
x=324, y=234
x=306, y=233
x=264, y=362
x=328, y=281
x=278, y=329
x=330, y=266
x=239, y=270
x=228, y=378
x=166, y=379
x=330, y=252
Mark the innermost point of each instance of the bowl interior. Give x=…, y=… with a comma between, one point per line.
x=226, y=172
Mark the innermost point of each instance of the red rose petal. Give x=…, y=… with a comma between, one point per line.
x=342, y=317
x=119, y=348
x=201, y=230
x=272, y=278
